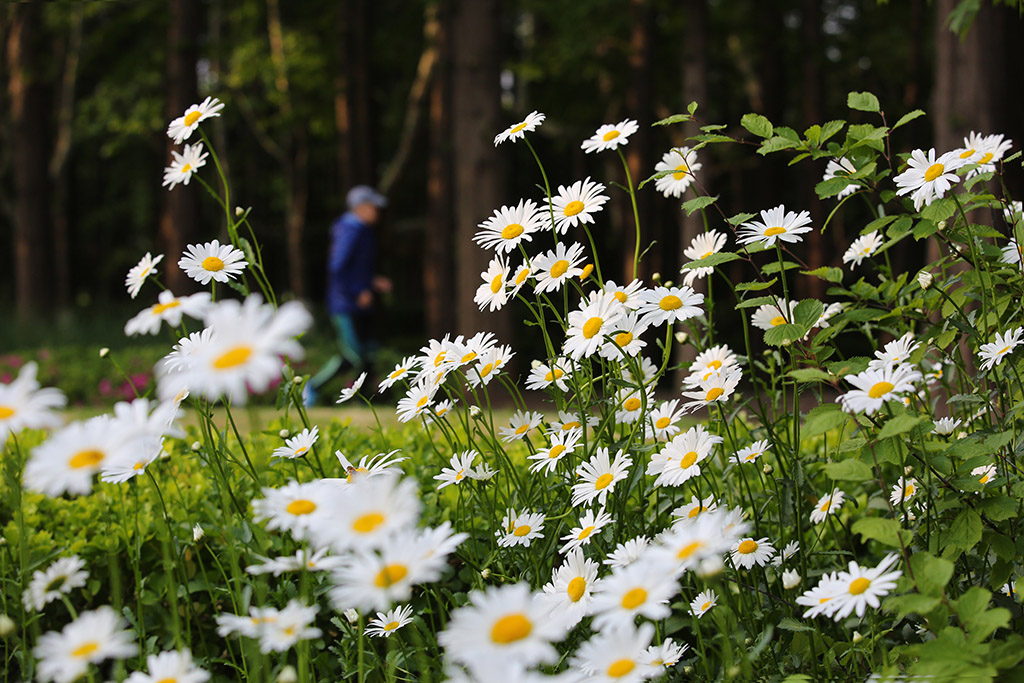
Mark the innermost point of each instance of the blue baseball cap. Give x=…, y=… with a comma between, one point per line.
x=364, y=194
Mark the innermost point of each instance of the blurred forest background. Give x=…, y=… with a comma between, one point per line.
x=407, y=95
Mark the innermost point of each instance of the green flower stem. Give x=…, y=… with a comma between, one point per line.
x=636, y=213
x=547, y=186
x=227, y=189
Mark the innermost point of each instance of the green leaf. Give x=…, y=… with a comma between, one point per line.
x=791, y=624
x=711, y=260
x=885, y=531
x=900, y=425
x=774, y=266
x=986, y=623
x=740, y=218
x=786, y=332
x=908, y=117
x=757, y=124
x=830, y=129
x=850, y=469
x=810, y=375
x=822, y=419
x=912, y=603
x=862, y=101
x=972, y=603
x=939, y=210
x=756, y=301
x=807, y=312
x=825, y=273
x=832, y=187
x=999, y=508
x=698, y=203
x=776, y=144
x=931, y=574
x=755, y=286
x=965, y=532
x=675, y=118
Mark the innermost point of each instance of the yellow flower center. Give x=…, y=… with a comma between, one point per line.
x=186, y=169
x=714, y=365
x=705, y=255
x=908, y=490
x=933, y=172
x=610, y=135
x=623, y=339
x=986, y=158
x=714, y=393
x=487, y=369
x=681, y=171
x=631, y=404
x=706, y=606
x=469, y=356
x=576, y=588
x=662, y=422
x=510, y=628
x=573, y=208
x=521, y=530
x=824, y=506
x=603, y=481
x=620, y=668
x=621, y=297
x=232, y=358
x=689, y=549
x=439, y=359
x=511, y=231
x=559, y=268
x=213, y=263
x=966, y=153
x=397, y=373
x=1002, y=351
x=553, y=375
x=592, y=327
x=778, y=320
x=6, y=412
x=880, y=389
x=85, y=649
x=859, y=586
x=748, y=546
x=522, y=429
x=302, y=506
x=670, y=303
x=138, y=466
x=496, y=283
x=570, y=425
x=772, y=232
x=391, y=626
x=556, y=450
x=521, y=275
x=688, y=460
x=160, y=308
x=390, y=575
x=517, y=128
x=585, y=533
x=367, y=523
x=984, y=479
x=192, y=117
x=697, y=509
x=422, y=402
x=89, y=458
x=587, y=270
x=634, y=598
x=168, y=680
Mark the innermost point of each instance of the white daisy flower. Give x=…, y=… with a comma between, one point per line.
x=351, y=390
x=685, y=514
x=985, y=474
x=790, y=579
x=610, y=136
x=683, y=162
x=702, y=246
x=875, y=387
x=617, y=655
x=566, y=422
x=571, y=589
x=503, y=628
x=519, y=130
x=927, y=178
x=597, y=477
x=366, y=513
x=403, y=370
x=1013, y=253
x=66, y=461
x=661, y=422
x=176, y=666
x=826, y=314
x=642, y=588
x=748, y=552
x=458, y=469
x=820, y=599
x=60, y=578
x=776, y=225
x=896, y=351
x=627, y=552
x=862, y=247
x=576, y=204
x=841, y=168
x=903, y=490
x=212, y=261
x=520, y=529
x=715, y=359
x=294, y=507
x=463, y=351
x=417, y=401
x=589, y=325
x=719, y=387
x=945, y=425
x=184, y=165
x=509, y=226
x=632, y=404
x=554, y=267
x=628, y=295
x=482, y=472
x=140, y=271
x=520, y=425
x=169, y=309
x=992, y=354
x=680, y=459
x=91, y=638
x=985, y=151
x=668, y=305
x=1014, y=212
x=752, y=452
x=543, y=376
x=768, y=316
x=381, y=464
x=182, y=127
x=703, y=603
x=648, y=371
x=858, y=588
x=301, y=561
x=492, y=293
x=298, y=445
x=590, y=524
x=489, y=365
x=288, y=626
x=691, y=545
x=626, y=338
x=791, y=549
x=665, y=655
x=24, y=405
x=376, y=580
x=439, y=410
x=386, y=623
x=827, y=505
x=562, y=443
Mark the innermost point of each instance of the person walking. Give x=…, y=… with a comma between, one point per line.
x=352, y=284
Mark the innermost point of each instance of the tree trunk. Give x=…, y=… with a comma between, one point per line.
x=810, y=174
x=438, y=245
x=353, y=111
x=638, y=151
x=180, y=208
x=29, y=142
x=478, y=176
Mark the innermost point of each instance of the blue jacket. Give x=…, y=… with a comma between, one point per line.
x=350, y=265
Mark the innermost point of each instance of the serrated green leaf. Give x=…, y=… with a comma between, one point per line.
x=786, y=332
x=791, y=624
x=912, y=603
x=850, y=469
x=757, y=124
x=827, y=273
x=999, y=508
x=807, y=312
x=965, y=532
x=675, y=118
x=776, y=144
x=711, y=260
x=698, y=203
x=900, y=424
x=908, y=117
x=775, y=266
x=931, y=574
x=740, y=218
x=885, y=531
x=823, y=419
x=809, y=375
x=862, y=101
x=939, y=210
x=831, y=187
x=831, y=128
x=756, y=286
x=756, y=301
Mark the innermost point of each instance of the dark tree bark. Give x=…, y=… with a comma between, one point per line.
x=810, y=174
x=639, y=97
x=438, y=244
x=478, y=176
x=29, y=141
x=353, y=110
x=180, y=208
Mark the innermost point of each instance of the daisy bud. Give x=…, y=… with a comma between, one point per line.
x=284, y=433
x=857, y=637
x=197, y=533
x=656, y=277
x=961, y=435
x=711, y=566
x=667, y=283
x=196, y=446
x=924, y=278
x=485, y=573
x=351, y=615
x=7, y=625
x=288, y=675
x=534, y=364
x=298, y=380
x=681, y=337
x=474, y=412
x=734, y=671
x=587, y=270
x=767, y=469
x=239, y=211
x=790, y=579
x=104, y=352
x=942, y=225
x=908, y=469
